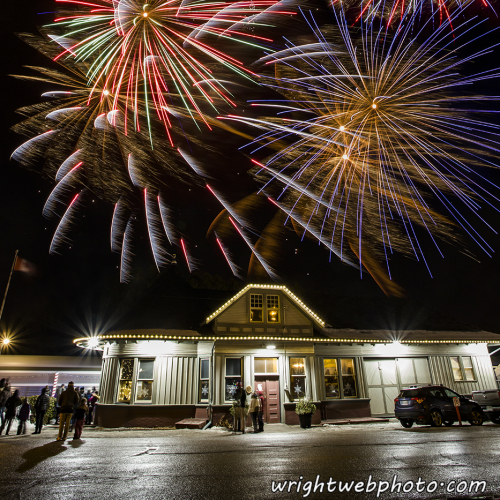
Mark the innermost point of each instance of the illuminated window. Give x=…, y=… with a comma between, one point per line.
x=266, y=365
x=273, y=308
x=298, y=377
x=256, y=308
x=331, y=378
x=204, y=379
x=233, y=378
x=144, y=391
x=462, y=368
x=126, y=376
x=343, y=384
x=348, y=378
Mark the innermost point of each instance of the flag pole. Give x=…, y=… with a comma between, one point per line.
x=8, y=283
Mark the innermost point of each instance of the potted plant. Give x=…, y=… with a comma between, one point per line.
x=305, y=409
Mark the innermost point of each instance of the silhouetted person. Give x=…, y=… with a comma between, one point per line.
x=67, y=400
x=10, y=411
x=41, y=406
x=80, y=413
x=24, y=415
x=4, y=396
x=59, y=391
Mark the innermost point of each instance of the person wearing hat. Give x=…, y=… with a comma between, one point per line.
x=41, y=406
x=67, y=400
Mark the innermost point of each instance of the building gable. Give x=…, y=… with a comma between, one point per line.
x=264, y=309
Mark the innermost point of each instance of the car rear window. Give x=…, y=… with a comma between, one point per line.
x=409, y=393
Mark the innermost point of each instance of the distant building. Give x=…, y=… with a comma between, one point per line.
x=30, y=374
x=267, y=338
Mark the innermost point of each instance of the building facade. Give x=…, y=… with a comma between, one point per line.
x=267, y=338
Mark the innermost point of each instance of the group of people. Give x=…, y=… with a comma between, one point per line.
x=74, y=409
x=255, y=409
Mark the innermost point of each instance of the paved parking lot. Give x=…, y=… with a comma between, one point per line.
x=185, y=464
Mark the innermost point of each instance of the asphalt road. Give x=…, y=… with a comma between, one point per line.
x=217, y=464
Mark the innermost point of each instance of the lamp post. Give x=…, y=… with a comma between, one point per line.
x=5, y=342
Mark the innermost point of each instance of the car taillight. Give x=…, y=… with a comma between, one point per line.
x=396, y=400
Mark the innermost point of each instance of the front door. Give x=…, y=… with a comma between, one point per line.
x=270, y=386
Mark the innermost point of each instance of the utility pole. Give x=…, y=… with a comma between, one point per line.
x=8, y=284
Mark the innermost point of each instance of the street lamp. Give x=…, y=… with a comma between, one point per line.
x=5, y=342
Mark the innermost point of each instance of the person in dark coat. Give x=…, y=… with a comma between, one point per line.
x=10, y=414
x=4, y=396
x=67, y=400
x=80, y=413
x=59, y=391
x=24, y=415
x=41, y=407
x=261, y=411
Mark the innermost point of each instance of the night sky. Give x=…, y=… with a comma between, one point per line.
x=79, y=292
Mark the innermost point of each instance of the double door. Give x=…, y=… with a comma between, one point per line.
x=386, y=377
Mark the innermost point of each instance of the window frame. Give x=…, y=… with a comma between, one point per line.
x=138, y=380
x=261, y=374
x=251, y=308
x=135, y=380
x=226, y=376
x=463, y=369
x=303, y=376
x=269, y=309
x=340, y=377
x=203, y=379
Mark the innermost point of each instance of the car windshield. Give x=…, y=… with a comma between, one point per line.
x=409, y=393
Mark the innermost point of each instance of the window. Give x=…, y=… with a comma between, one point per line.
x=462, y=368
x=331, y=378
x=233, y=377
x=204, y=379
x=341, y=384
x=126, y=376
x=298, y=377
x=348, y=378
x=256, y=308
x=266, y=365
x=144, y=392
x=273, y=308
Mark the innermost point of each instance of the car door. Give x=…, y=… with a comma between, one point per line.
x=464, y=407
x=444, y=403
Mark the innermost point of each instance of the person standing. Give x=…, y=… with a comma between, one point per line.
x=243, y=403
x=67, y=401
x=41, y=406
x=80, y=413
x=10, y=411
x=254, y=410
x=261, y=411
x=24, y=415
x=59, y=391
x=4, y=396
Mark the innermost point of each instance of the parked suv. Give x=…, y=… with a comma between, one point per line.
x=433, y=404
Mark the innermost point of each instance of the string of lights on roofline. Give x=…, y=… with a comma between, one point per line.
x=98, y=341
x=271, y=287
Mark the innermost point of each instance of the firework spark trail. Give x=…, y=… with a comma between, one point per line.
x=136, y=50
x=386, y=136
x=126, y=254
x=227, y=255
x=269, y=270
x=61, y=233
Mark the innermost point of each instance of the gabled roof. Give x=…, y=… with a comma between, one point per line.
x=314, y=317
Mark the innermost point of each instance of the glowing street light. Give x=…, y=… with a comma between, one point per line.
x=5, y=342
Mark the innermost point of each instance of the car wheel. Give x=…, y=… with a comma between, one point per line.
x=407, y=423
x=449, y=423
x=476, y=417
x=495, y=419
x=436, y=418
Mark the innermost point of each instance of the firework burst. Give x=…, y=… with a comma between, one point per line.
x=376, y=132
x=139, y=51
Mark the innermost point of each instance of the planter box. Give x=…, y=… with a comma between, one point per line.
x=291, y=418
